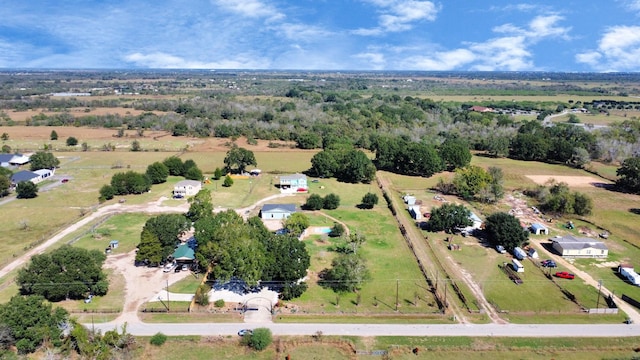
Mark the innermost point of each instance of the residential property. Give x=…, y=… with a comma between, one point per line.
x=24, y=175
x=539, y=229
x=7, y=160
x=186, y=188
x=572, y=246
x=277, y=211
x=293, y=183
x=184, y=254
x=478, y=108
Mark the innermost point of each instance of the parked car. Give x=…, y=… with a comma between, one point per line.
x=549, y=263
x=168, y=267
x=178, y=268
x=565, y=275
x=244, y=332
x=501, y=249
x=185, y=267
x=65, y=180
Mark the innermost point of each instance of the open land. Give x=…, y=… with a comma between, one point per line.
x=398, y=292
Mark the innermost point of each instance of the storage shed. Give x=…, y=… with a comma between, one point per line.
x=539, y=229
x=519, y=254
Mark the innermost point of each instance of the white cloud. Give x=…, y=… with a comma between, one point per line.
x=250, y=8
x=160, y=60
x=374, y=60
x=302, y=32
x=633, y=5
x=399, y=15
x=440, y=61
x=504, y=53
x=546, y=26
x=618, y=50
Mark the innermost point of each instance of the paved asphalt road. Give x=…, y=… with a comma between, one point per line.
x=498, y=330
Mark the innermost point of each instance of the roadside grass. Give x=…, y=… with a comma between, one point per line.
x=112, y=302
x=318, y=351
x=197, y=348
x=364, y=319
x=188, y=285
x=192, y=317
x=465, y=348
x=157, y=306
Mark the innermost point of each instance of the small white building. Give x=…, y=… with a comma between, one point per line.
x=532, y=253
x=630, y=274
x=186, y=188
x=519, y=254
x=414, y=210
x=409, y=199
x=517, y=266
x=539, y=229
x=43, y=174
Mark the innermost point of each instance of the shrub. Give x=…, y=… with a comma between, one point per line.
x=260, y=339
x=314, y=202
x=158, y=339
x=219, y=303
x=71, y=141
x=337, y=230
x=331, y=201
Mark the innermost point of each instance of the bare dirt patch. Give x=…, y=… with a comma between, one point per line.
x=572, y=181
x=43, y=133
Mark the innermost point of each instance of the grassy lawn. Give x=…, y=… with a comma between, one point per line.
x=364, y=318
x=181, y=348
x=188, y=285
x=194, y=317
x=125, y=228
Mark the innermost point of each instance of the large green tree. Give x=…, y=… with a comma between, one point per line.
x=31, y=321
x=5, y=184
x=287, y=261
x=314, y=202
x=200, y=205
x=323, y=164
x=296, y=223
x=629, y=175
x=157, y=172
x=149, y=248
x=130, y=182
x=470, y=180
x=448, y=217
x=26, y=190
x=43, y=160
x=455, y=153
x=167, y=228
x=175, y=165
x=347, y=273
x=66, y=273
x=237, y=159
x=505, y=229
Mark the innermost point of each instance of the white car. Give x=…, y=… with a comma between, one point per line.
x=168, y=267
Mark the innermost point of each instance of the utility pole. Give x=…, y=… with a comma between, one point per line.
x=168, y=296
x=397, y=286
x=599, y=287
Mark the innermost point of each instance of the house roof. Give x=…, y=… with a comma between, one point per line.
x=5, y=158
x=284, y=208
x=184, y=252
x=570, y=242
x=185, y=183
x=537, y=226
x=293, y=177
x=23, y=175
x=43, y=172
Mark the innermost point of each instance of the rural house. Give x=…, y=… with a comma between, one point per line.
x=293, y=183
x=571, y=246
x=186, y=188
x=277, y=211
x=7, y=160
x=25, y=175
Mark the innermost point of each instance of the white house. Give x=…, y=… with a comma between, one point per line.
x=571, y=246
x=293, y=183
x=43, y=174
x=186, y=188
x=277, y=211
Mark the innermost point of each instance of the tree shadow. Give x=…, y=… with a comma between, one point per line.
x=634, y=211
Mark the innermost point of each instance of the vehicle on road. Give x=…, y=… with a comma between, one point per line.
x=565, y=275
x=244, y=332
x=549, y=263
x=65, y=180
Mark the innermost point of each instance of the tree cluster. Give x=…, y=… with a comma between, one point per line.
x=408, y=158
x=448, y=217
x=347, y=273
x=159, y=237
x=346, y=164
x=317, y=202
x=66, y=273
x=43, y=160
x=559, y=199
x=505, y=229
x=188, y=169
x=629, y=175
x=233, y=248
x=26, y=190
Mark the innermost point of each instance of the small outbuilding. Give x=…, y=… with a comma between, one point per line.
x=414, y=210
x=277, y=211
x=114, y=244
x=532, y=253
x=539, y=229
x=184, y=254
x=629, y=273
x=519, y=254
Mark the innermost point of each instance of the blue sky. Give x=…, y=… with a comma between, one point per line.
x=447, y=35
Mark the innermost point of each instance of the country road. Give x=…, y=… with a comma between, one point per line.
x=472, y=330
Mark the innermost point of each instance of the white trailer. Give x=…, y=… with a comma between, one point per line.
x=630, y=274
x=519, y=254
x=517, y=265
